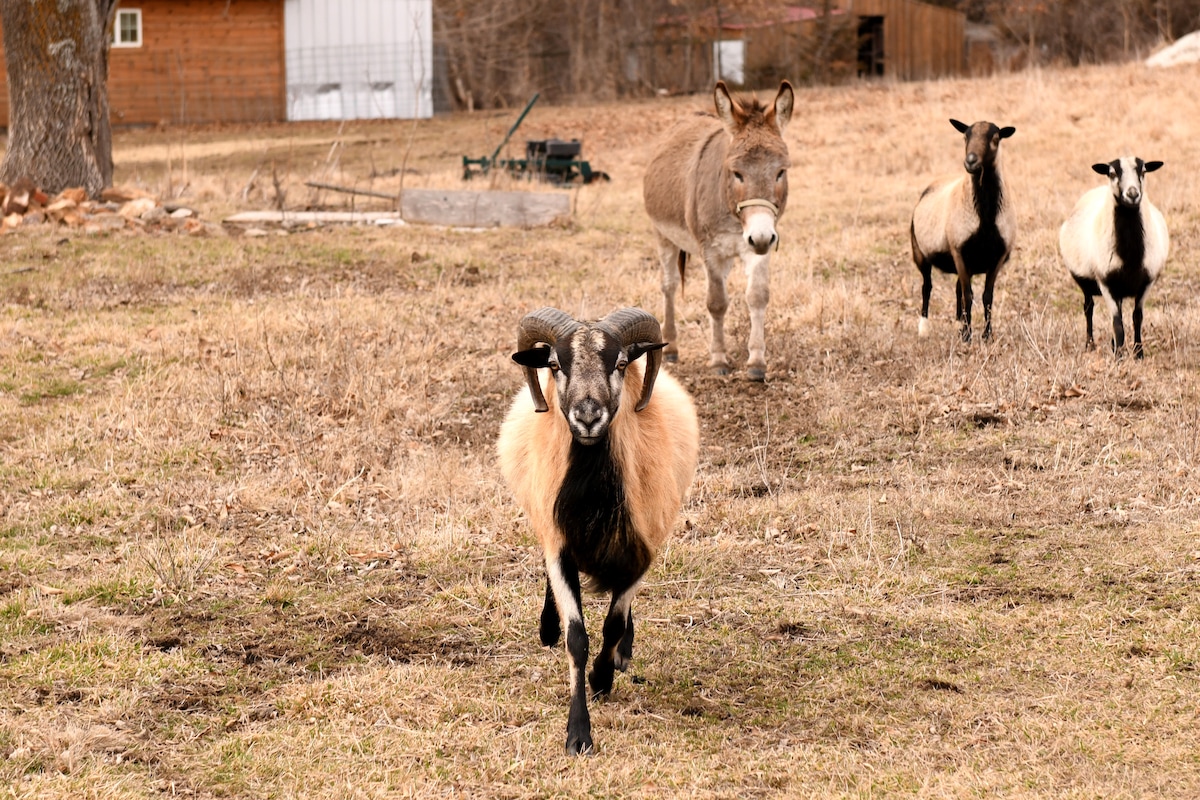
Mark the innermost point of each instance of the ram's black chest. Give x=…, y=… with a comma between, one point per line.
x=592, y=513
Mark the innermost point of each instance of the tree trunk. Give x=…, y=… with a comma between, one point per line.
x=59, y=134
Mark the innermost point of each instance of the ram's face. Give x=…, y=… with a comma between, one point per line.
x=589, y=371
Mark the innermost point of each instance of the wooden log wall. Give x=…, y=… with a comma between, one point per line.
x=201, y=61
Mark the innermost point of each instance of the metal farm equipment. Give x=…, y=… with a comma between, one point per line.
x=551, y=160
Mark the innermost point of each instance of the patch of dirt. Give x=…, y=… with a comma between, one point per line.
x=376, y=638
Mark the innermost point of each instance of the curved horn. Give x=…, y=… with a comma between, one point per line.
x=635, y=326
x=546, y=325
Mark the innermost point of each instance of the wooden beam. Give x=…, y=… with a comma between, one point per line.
x=485, y=209
x=280, y=217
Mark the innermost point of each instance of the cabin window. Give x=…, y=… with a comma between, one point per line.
x=729, y=61
x=127, y=30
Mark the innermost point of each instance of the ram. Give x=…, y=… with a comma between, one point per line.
x=964, y=225
x=601, y=479
x=1115, y=244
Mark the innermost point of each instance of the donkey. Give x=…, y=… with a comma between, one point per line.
x=715, y=189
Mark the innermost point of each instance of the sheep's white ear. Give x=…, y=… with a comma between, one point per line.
x=961, y=127
x=1102, y=169
x=1007, y=132
x=1152, y=165
x=784, y=102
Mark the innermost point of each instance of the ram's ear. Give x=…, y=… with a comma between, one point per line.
x=1007, y=132
x=533, y=358
x=639, y=349
x=961, y=127
x=1102, y=169
x=1152, y=165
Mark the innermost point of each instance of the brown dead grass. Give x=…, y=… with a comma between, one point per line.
x=253, y=541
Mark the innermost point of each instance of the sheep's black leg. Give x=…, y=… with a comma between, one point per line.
x=989, y=285
x=926, y=289
x=1088, y=304
x=1137, y=325
x=925, y=266
x=618, y=634
x=564, y=582
x=964, y=303
x=550, y=627
x=1118, y=331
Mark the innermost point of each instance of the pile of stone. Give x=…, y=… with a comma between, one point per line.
x=23, y=205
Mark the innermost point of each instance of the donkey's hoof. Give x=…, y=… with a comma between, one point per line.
x=756, y=374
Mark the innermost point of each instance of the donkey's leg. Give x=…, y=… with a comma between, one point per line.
x=563, y=576
x=618, y=628
x=716, y=267
x=672, y=260
x=758, y=292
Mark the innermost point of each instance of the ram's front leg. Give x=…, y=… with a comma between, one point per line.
x=618, y=641
x=758, y=293
x=564, y=584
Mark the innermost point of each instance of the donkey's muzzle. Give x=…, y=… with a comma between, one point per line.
x=762, y=242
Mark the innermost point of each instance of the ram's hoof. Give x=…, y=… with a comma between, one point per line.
x=756, y=374
x=671, y=358
x=580, y=745
x=720, y=369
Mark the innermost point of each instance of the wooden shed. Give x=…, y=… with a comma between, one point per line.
x=758, y=45
x=193, y=61
x=206, y=61
x=907, y=39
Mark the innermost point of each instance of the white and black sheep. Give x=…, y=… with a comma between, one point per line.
x=963, y=225
x=601, y=480
x=1115, y=244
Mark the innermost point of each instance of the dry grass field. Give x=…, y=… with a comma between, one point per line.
x=253, y=541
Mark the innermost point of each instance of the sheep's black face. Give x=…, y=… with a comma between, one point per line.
x=589, y=372
x=982, y=142
x=1127, y=178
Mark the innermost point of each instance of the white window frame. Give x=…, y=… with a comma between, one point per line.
x=729, y=61
x=136, y=13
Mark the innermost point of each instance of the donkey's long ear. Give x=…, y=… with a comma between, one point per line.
x=728, y=111
x=784, y=102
